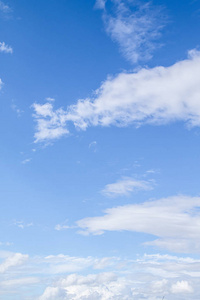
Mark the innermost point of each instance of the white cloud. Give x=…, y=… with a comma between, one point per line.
x=174, y=220
x=25, y=161
x=53, y=293
x=59, y=264
x=50, y=124
x=147, y=277
x=156, y=96
x=93, y=146
x=22, y=224
x=125, y=186
x=95, y=287
x=150, y=96
x=181, y=287
x=60, y=227
x=134, y=26
x=13, y=260
x=5, y=48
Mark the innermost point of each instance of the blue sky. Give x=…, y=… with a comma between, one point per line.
x=99, y=149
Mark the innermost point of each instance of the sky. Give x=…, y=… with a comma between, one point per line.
x=100, y=130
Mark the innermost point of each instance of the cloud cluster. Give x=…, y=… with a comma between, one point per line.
x=149, y=277
x=177, y=217
x=64, y=277
x=149, y=96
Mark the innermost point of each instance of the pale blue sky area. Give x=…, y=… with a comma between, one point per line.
x=100, y=118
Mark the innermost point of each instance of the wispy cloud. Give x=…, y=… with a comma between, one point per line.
x=125, y=186
x=150, y=96
x=14, y=260
x=5, y=48
x=22, y=224
x=25, y=161
x=134, y=25
x=4, y=7
x=16, y=109
x=62, y=226
x=93, y=146
x=174, y=220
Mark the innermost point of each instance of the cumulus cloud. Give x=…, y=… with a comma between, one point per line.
x=134, y=25
x=5, y=48
x=149, y=96
x=150, y=277
x=125, y=186
x=95, y=287
x=147, y=277
x=181, y=287
x=177, y=217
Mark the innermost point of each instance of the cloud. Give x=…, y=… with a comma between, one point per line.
x=5, y=48
x=134, y=26
x=17, y=282
x=16, y=109
x=59, y=264
x=50, y=124
x=147, y=277
x=93, y=146
x=60, y=227
x=95, y=287
x=125, y=186
x=1, y=84
x=22, y=224
x=100, y=4
x=143, y=280
x=181, y=287
x=175, y=220
x=4, y=7
x=14, y=260
x=25, y=161
x=156, y=96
